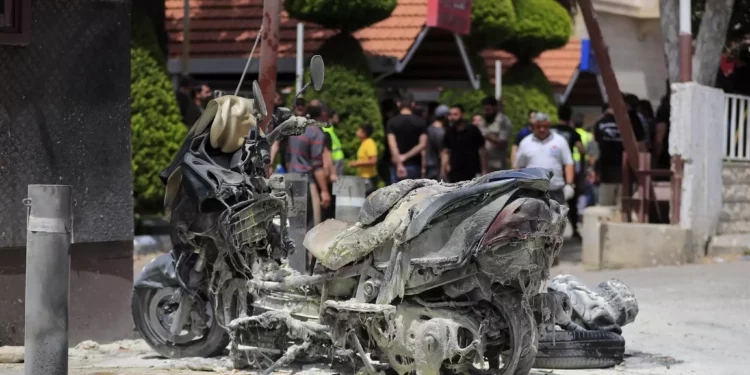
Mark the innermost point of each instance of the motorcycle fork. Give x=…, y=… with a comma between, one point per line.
x=187, y=298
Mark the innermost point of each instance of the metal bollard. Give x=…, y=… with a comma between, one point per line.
x=296, y=187
x=350, y=196
x=49, y=235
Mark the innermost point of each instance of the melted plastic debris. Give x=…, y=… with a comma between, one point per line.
x=607, y=308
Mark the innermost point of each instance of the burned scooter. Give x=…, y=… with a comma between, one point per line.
x=225, y=215
x=434, y=277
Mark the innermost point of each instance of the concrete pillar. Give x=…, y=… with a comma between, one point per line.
x=296, y=186
x=350, y=192
x=593, y=217
x=696, y=134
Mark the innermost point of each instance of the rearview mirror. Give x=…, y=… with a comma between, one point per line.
x=317, y=72
x=259, y=102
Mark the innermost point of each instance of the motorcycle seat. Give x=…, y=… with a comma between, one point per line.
x=384, y=199
x=336, y=243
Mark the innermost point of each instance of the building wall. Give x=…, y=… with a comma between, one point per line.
x=65, y=119
x=735, y=210
x=636, y=49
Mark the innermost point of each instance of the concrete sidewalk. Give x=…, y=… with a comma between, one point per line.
x=693, y=319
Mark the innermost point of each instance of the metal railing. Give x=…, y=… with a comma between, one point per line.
x=736, y=143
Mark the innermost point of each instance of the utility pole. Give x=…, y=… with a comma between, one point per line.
x=186, y=39
x=269, y=49
x=686, y=43
x=616, y=100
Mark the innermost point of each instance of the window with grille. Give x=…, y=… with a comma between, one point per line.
x=15, y=22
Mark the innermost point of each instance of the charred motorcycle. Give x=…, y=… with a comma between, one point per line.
x=433, y=278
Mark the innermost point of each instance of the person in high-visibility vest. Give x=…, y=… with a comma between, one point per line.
x=586, y=138
x=582, y=162
x=337, y=154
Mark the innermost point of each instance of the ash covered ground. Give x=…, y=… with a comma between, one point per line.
x=693, y=320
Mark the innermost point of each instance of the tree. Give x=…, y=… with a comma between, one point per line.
x=347, y=16
x=349, y=89
x=709, y=41
x=156, y=125
x=525, y=28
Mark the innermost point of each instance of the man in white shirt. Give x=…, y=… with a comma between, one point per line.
x=545, y=149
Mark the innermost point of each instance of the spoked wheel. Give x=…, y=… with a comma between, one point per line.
x=153, y=311
x=516, y=355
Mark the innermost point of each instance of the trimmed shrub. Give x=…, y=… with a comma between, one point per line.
x=350, y=91
x=156, y=125
x=344, y=15
x=492, y=22
x=525, y=87
x=471, y=100
x=540, y=25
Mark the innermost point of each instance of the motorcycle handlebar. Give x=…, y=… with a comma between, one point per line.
x=298, y=125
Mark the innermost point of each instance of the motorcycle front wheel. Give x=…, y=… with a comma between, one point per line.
x=152, y=314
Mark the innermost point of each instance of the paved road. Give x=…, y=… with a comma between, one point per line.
x=693, y=319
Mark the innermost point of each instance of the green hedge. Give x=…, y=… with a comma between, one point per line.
x=350, y=91
x=492, y=22
x=540, y=25
x=156, y=125
x=344, y=15
x=525, y=87
x=471, y=100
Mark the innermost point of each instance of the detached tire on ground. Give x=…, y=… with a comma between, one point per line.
x=580, y=350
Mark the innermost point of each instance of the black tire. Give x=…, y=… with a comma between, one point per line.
x=210, y=344
x=524, y=336
x=580, y=350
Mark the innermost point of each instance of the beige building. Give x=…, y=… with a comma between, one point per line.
x=631, y=30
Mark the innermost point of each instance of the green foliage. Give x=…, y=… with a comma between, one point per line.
x=471, y=100
x=344, y=15
x=525, y=88
x=492, y=22
x=156, y=124
x=540, y=25
x=350, y=91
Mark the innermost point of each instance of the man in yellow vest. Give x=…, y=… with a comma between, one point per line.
x=337, y=154
x=583, y=162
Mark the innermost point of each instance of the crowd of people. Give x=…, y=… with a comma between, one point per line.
x=445, y=144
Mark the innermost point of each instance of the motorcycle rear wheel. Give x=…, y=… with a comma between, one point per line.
x=524, y=337
x=155, y=332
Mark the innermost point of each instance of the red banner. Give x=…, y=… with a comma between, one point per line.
x=451, y=15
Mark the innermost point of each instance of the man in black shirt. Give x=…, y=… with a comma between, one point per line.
x=607, y=136
x=186, y=101
x=407, y=137
x=661, y=158
x=567, y=131
x=463, y=155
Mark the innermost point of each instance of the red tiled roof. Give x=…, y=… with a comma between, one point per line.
x=227, y=28
x=558, y=65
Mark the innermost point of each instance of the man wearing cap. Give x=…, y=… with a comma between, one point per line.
x=435, y=134
x=545, y=149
